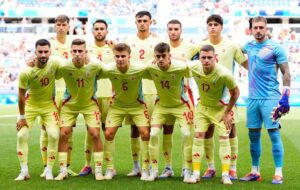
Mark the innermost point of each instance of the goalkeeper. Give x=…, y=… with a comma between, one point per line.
x=264, y=59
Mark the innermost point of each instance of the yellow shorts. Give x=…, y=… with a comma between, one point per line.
x=150, y=102
x=59, y=95
x=48, y=113
x=104, y=104
x=182, y=114
x=91, y=115
x=205, y=116
x=136, y=115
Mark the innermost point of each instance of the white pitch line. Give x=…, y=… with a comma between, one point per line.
x=8, y=116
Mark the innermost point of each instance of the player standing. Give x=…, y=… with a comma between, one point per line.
x=172, y=104
x=227, y=53
x=179, y=49
x=36, y=90
x=212, y=79
x=80, y=77
x=142, y=45
x=60, y=46
x=126, y=77
x=265, y=57
x=99, y=49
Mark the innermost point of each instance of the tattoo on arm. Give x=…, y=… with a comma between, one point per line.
x=284, y=68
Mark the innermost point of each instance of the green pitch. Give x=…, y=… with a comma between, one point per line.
x=9, y=165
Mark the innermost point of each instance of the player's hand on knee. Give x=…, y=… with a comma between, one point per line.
x=227, y=119
x=21, y=123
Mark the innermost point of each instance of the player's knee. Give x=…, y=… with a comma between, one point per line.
x=254, y=135
x=274, y=135
x=53, y=134
x=109, y=135
x=185, y=131
x=198, y=135
x=64, y=134
x=168, y=129
x=232, y=133
x=154, y=132
x=134, y=132
x=145, y=135
x=22, y=135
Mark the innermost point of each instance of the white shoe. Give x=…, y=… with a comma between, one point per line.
x=168, y=172
x=134, y=172
x=98, y=174
x=195, y=178
x=23, y=176
x=186, y=175
x=226, y=179
x=144, y=175
x=153, y=175
x=48, y=174
x=109, y=174
x=61, y=176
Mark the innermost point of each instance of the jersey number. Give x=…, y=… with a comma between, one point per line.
x=80, y=83
x=165, y=84
x=205, y=87
x=97, y=115
x=124, y=86
x=189, y=116
x=44, y=81
x=65, y=54
x=100, y=57
x=142, y=53
x=56, y=117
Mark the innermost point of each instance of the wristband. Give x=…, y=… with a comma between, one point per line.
x=21, y=117
x=286, y=90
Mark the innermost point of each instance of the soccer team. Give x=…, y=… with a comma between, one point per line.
x=146, y=83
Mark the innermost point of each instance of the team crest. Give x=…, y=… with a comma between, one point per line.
x=173, y=76
x=132, y=77
x=156, y=75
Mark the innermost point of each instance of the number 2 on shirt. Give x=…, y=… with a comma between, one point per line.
x=142, y=54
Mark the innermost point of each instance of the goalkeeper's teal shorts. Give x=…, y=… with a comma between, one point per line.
x=259, y=111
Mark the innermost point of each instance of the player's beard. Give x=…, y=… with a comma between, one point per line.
x=43, y=60
x=259, y=36
x=78, y=62
x=175, y=38
x=99, y=38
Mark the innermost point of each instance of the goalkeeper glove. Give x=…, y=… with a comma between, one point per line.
x=283, y=106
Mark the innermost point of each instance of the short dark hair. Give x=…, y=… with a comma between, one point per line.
x=62, y=18
x=259, y=19
x=174, y=21
x=42, y=42
x=143, y=13
x=78, y=42
x=122, y=47
x=162, y=47
x=100, y=21
x=207, y=48
x=216, y=18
